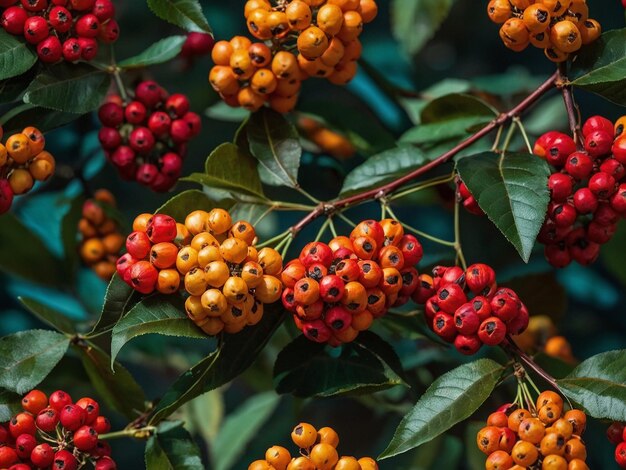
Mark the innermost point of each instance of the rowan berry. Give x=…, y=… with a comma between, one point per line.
x=143, y=277
x=301, y=463
x=620, y=454
x=578, y=420
x=42, y=455
x=8, y=456
x=269, y=290
x=105, y=463
x=598, y=143
x=524, y=453
x=34, y=401
x=85, y=438
x=161, y=228
x=579, y=165
x=72, y=417
x=585, y=201
x=467, y=344
x=367, y=463
x=64, y=460
x=323, y=456
x=602, y=185
x=102, y=425
x=516, y=417
x=499, y=460
x=59, y=399
x=488, y=439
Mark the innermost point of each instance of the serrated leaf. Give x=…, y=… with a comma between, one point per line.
x=229, y=169
x=382, y=168
x=454, y=106
x=23, y=254
x=27, y=357
x=161, y=51
x=599, y=385
x=50, y=316
x=236, y=354
x=172, y=448
x=10, y=405
x=441, y=131
x=75, y=89
x=159, y=314
x=450, y=399
x=118, y=389
x=601, y=67
x=275, y=143
x=118, y=299
x=186, y=14
x=16, y=57
x=241, y=427
x=415, y=22
x=186, y=202
x=512, y=190
x=368, y=364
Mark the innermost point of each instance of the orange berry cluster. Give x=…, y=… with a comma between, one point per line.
x=333, y=143
x=544, y=437
x=336, y=290
x=227, y=279
x=323, y=35
x=23, y=161
x=559, y=27
x=317, y=451
x=101, y=239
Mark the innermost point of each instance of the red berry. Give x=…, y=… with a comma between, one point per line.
x=620, y=454
x=147, y=174
x=171, y=164
x=467, y=345
x=453, y=275
x=159, y=123
x=482, y=307
x=82, y=5
x=618, y=201
x=180, y=131
x=597, y=123
x=579, y=165
x=582, y=250
x=560, y=147
x=104, y=10
x=135, y=112
x=103, y=449
x=64, y=460
x=289, y=300
x=141, y=140
x=161, y=228
x=102, y=425
x=88, y=47
x=109, y=138
x=72, y=50
x=109, y=32
x=316, y=252
x=5, y=437
x=561, y=186
x=149, y=93
x=72, y=417
x=105, y=463
x=338, y=319
x=332, y=288
x=605, y=215
x=519, y=324
x=619, y=149
x=411, y=250
x=85, y=438
x=317, y=331
x=8, y=457
x=91, y=407
x=162, y=183
x=47, y=419
x=542, y=145
x=585, y=201
x=35, y=5
x=564, y=215
x=59, y=400
x=60, y=19
x=558, y=255
x=600, y=233
x=197, y=44
x=602, y=185
x=36, y=29
x=410, y=281
x=24, y=445
x=124, y=159
x=6, y=196
x=22, y=423
x=424, y=289
x=466, y=320
x=13, y=20
x=143, y=277
x=614, y=433
x=613, y=168
x=123, y=266
x=177, y=105
x=42, y=456
x=492, y=331
x=34, y=401
x=505, y=306
x=599, y=143
x=194, y=122
x=111, y=114
x=138, y=245
x=443, y=325
x=480, y=279
x=50, y=50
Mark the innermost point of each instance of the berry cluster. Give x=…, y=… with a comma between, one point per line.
x=330, y=142
x=55, y=433
x=61, y=29
x=228, y=281
x=197, y=45
x=588, y=190
x=23, y=161
x=336, y=290
x=323, y=34
x=617, y=435
x=468, y=309
x=317, y=451
x=543, y=437
x=146, y=139
x=101, y=240
x=558, y=27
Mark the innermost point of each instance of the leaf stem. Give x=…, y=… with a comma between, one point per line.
x=141, y=433
x=457, y=236
x=323, y=228
x=522, y=129
x=420, y=187
x=420, y=233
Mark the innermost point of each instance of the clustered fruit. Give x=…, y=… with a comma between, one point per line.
x=55, y=433
x=146, y=139
x=317, y=451
x=336, y=290
x=543, y=437
x=101, y=238
x=61, y=29
x=558, y=27
x=468, y=309
x=228, y=281
x=329, y=141
x=323, y=35
x=616, y=433
x=23, y=161
x=588, y=190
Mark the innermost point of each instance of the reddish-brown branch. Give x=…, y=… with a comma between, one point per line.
x=573, y=115
x=328, y=208
x=511, y=346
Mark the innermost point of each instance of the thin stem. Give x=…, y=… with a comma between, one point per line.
x=509, y=137
x=323, y=228
x=141, y=433
x=457, y=236
x=524, y=134
x=496, y=142
x=345, y=219
x=420, y=233
x=285, y=249
x=573, y=113
x=283, y=242
x=421, y=187
x=273, y=240
x=333, y=230
x=530, y=363
x=308, y=195
x=383, y=209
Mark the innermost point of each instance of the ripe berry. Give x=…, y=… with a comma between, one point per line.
x=111, y=114
x=560, y=146
x=72, y=417
x=88, y=47
x=613, y=168
x=450, y=298
x=8, y=457
x=480, y=279
x=6, y=196
x=467, y=345
x=135, y=112
x=492, y=331
x=585, y=201
x=597, y=123
x=59, y=399
x=504, y=306
x=197, y=44
x=466, y=320
x=22, y=423
x=602, y=185
x=42, y=456
x=141, y=140
x=91, y=407
x=47, y=419
x=317, y=331
x=619, y=149
x=109, y=32
x=560, y=186
x=50, y=50
x=161, y=228
x=598, y=143
x=87, y=26
x=444, y=326
x=60, y=19
x=85, y=438
x=605, y=215
x=579, y=165
x=618, y=201
x=35, y=29
x=614, y=433
x=564, y=215
x=620, y=454
x=148, y=93
x=338, y=319
x=316, y=252
x=13, y=20
x=105, y=463
x=24, y=445
x=64, y=460
x=143, y=277
x=34, y=401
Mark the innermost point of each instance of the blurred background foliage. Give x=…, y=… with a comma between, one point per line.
x=240, y=421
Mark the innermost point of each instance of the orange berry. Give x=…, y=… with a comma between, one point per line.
x=324, y=456
x=36, y=139
x=18, y=147
x=327, y=435
x=304, y=435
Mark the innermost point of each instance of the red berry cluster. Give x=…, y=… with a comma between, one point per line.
x=151, y=254
x=146, y=139
x=336, y=290
x=617, y=435
x=197, y=45
x=61, y=29
x=55, y=433
x=468, y=309
x=588, y=190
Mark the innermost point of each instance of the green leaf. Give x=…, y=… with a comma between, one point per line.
x=601, y=67
x=448, y=86
x=247, y=211
x=204, y=415
x=450, y=399
x=10, y=405
x=415, y=22
x=366, y=365
x=16, y=57
x=27, y=357
x=236, y=354
x=444, y=130
x=599, y=385
x=43, y=119
x=161, y=51
x=383, y=168
x=275, y=143
x=118, y=389
x=48, y=315
x=220, y=111
x=241, y=427
x=229, y=169
x=172, y=448
x=118, y=299
x=72, y=88
x=159, y=314
x=457, y=105
x=23, y=254
x=186, y=14
x=186, y=202
x=512, y=190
